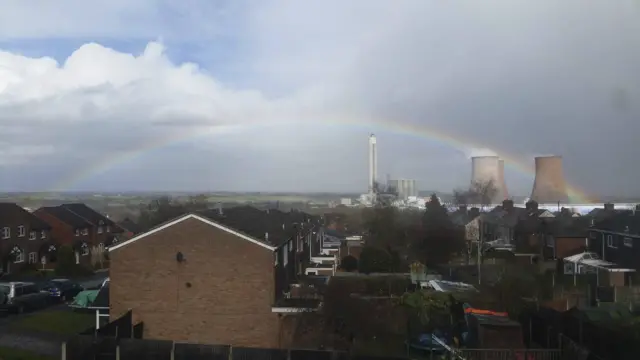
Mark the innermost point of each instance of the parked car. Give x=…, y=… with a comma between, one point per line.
x=62, y=289
x=22, y=296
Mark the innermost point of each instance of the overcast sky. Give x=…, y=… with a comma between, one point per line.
x=280, y=95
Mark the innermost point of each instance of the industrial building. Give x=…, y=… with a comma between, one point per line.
x=404, y=187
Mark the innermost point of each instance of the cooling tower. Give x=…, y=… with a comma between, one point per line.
x=549, y=186
x=502, y=181
x=488, y=169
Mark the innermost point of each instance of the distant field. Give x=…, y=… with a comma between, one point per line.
x=262, y=198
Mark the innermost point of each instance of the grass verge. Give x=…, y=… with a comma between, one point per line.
x=17, y=354
x=55, y=322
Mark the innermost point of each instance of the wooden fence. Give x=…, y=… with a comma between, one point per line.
x=86, y=347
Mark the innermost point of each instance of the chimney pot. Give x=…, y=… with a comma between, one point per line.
x=507, y=205
x=609, y=206
x=463, y=207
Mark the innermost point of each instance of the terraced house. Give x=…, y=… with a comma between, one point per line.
x=219, y=276
x=81, y=227
x=24, y=239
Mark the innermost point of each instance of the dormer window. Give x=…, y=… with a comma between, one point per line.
x=85, y=231
x=99, y=229
x=21, y=231
x=32, y=235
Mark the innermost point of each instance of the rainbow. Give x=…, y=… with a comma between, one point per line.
x=461, y=144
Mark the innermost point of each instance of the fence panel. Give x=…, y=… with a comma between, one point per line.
x=368, y=357
x=87, y=347
x=80, y=347
x=310, y=355
x=134, y=349
x=138, y=330
x=242, y=353
x=507, y=354
x=201, y=352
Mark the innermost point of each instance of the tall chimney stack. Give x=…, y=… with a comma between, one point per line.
x=549, y=186
x=373, y=163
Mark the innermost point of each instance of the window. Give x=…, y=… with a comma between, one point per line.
x=108, y=228
x=77, y=232
x=19, y=255
x=84, y=249
x=99, y=229
x=43, y=234
x=85, y=231
x=610, y=242
x=551, y=241
x=628, y=242
x=21, y=231
x=33, y=258
x=6, y=233
x=32, y=235
x=285, y=257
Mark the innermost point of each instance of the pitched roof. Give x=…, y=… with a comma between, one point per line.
x=88, y=214
x=619, y=221
x=11, y=213
x=199, y=218
x=267, y=228
x=130, y=225
x=66, y=216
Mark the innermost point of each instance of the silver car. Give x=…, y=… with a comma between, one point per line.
x=21, y=296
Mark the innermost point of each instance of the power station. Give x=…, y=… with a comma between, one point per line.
x=549, y=190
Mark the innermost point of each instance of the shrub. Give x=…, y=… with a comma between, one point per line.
x=349, y=263
x=66, y=264
x=373, y=259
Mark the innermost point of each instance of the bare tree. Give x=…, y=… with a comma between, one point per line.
x=483, y=193
x=461, y=197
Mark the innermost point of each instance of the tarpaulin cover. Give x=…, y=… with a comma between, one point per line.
x=85, y=298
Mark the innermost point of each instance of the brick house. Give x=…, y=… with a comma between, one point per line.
x=614, y=235
x=24, y=238
x=214, y=277
x=80, y=227
x=566, y=236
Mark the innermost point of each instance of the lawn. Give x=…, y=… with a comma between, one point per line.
x=16, y=354
x=56, y=322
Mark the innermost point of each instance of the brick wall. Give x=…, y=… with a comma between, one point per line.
x=221, y=294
